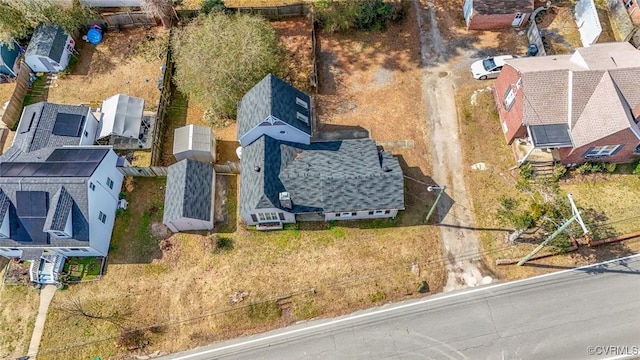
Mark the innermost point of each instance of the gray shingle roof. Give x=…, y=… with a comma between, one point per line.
x=77, y=190
x=489, y=7
x=334, y=176
x=189, y=191
x=48, y=40
x=62, y=203
x=62, y=195
x=272, y=97
x=35, y=130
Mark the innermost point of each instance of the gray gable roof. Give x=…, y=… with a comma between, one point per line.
x=189, y=191
x=273, y=97
x=48, y=40
x=62, y=203
x=58, y=195
x=36, y=128
x=333, y=176
x=77, y=190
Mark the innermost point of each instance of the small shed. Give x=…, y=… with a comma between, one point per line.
x=587, y=21
x=189, y=197
x=49, y=49
x=194, y=142
x=121, y=116
x=8, y=59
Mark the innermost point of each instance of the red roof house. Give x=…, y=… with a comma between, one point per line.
x=496, y=14
x=573, y=108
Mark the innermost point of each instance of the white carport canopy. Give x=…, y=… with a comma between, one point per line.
x=122, y=116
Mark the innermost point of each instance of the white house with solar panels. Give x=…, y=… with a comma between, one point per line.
x=58, y=192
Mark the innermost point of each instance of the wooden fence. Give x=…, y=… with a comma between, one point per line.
x=128, y=19
x=152, y=171
x=228, y=168
x=276, y=12
x=313, y=78
x=166, y=92
x=14, y=109
x=270, y=12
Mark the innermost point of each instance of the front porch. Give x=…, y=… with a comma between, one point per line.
x=274, y=225
x=525, y=151
x=46, y=269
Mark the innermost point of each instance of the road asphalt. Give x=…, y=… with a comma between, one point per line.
x=591, y=312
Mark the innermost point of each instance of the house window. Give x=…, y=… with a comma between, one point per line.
x=345, y=214
x=509, y=98
x=302, y=103
x=519, y=83
x=92, y=186
x=628, y=4
x=270, y=216
x=102, y=217
x=605, y=150
x=110, y=183
x=387, y=212
x=354, y=213
x=85, y=250
x=370, y=212
x=302, y=117
x=86, y=133
x=65, y=250
x=379, y=212
x=282, y=132
x=74, y=249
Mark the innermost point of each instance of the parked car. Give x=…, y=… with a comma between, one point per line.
x=489, y=68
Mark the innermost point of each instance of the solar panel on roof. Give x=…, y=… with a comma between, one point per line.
x=73, y=155
x=31, y=203
x=68, y=124
x=31, y=211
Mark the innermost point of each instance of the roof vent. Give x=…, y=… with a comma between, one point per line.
x=386, y=169
x=256, y=168
x=285, y=200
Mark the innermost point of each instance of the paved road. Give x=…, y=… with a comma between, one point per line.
x=554, y=316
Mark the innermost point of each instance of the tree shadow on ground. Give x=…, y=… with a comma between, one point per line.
x=176, y=117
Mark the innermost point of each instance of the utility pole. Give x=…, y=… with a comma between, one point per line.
x=575, y=217
x=435, y=203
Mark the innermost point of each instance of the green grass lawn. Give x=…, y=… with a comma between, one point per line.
x=82, y=268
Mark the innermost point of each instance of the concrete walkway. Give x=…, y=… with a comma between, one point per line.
x=46, y=295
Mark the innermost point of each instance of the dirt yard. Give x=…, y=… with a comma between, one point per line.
x=126, y=62
x=306, y=271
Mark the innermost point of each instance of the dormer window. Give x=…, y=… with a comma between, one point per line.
x=302, y=117
x=302, y=103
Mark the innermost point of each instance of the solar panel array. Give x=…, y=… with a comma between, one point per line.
x=68, y=124
x=31, y=211
x=61, y=163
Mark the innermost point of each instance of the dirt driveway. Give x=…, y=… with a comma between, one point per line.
x=445, y=56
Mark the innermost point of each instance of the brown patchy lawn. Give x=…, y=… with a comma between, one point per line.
x=18, y=310
x=178, y=289
x=119, y=64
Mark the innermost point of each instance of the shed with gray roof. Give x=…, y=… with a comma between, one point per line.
x=49, y=49
x=189, y=197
